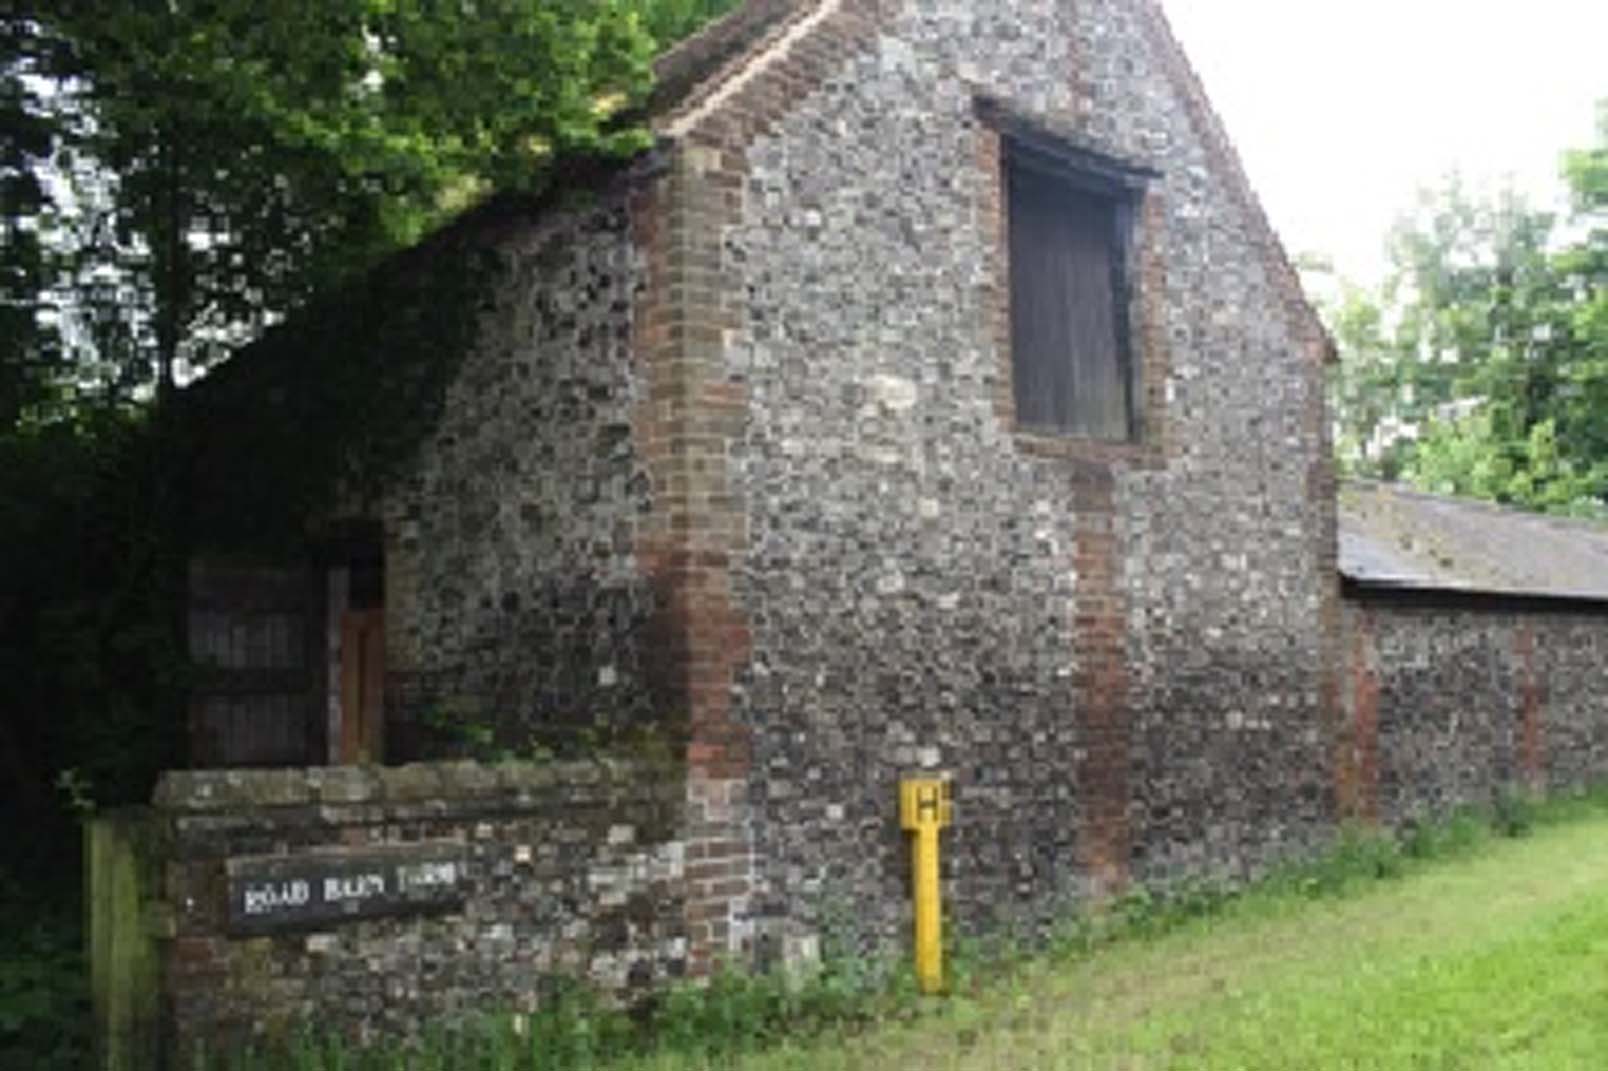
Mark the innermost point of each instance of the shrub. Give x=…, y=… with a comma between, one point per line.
x=44, y=993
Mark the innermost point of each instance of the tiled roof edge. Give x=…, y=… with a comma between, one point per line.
x=684, y=70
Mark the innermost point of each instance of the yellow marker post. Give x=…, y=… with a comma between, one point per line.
x=925, y=807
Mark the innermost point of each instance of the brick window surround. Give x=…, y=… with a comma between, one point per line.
x=1071, y=228
x=1000, y=134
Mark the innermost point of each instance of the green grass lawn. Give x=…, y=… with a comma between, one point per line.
x=1498, y=959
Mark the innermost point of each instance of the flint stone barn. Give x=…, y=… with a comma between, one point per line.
x=934, y=397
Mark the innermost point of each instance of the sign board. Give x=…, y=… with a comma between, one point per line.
x=270, y=894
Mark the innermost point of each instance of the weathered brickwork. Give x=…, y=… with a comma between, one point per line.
x=513, y=590
x=1455, y=701
x=573, y=872
x=686, y=543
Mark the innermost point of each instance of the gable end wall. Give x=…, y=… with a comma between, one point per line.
x=1119, y=654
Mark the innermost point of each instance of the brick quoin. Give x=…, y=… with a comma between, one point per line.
x=684, y=426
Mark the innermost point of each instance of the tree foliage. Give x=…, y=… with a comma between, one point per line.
x=27, y=352
x=1481, y=366
x=221, y=162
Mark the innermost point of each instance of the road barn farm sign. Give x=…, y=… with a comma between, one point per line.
x=270, y=894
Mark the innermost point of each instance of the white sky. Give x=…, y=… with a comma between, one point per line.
x=1341, y=111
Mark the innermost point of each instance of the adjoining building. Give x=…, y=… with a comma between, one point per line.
x=1476, y=653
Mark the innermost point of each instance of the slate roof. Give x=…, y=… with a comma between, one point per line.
x=1393, y=537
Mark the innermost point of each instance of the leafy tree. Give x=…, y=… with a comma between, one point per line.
x=1366, y=391
x=671, y=20
x=1478, y=368
x=227, y=161
x=28, y=349
x=1583, y=264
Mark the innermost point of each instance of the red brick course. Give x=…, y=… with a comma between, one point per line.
x=1100, y=633
x=1532, y=761
x=1357, y=760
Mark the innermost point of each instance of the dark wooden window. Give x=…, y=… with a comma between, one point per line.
x=253, y=641
x=1072, y=360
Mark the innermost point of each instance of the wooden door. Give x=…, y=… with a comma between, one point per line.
x=252, y=642
x=362, y=686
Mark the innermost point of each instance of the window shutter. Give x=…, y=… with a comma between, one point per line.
x=1068, y=341
x=1041, y=269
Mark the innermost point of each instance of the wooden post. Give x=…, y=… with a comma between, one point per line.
x=125, y=972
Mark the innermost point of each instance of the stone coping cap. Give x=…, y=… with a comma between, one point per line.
x=213, y=790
